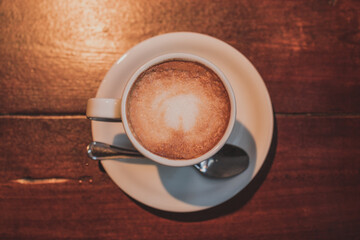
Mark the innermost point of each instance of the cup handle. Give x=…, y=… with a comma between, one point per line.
x=104, y=109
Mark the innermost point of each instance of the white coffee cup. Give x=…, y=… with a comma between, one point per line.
x=108, y=109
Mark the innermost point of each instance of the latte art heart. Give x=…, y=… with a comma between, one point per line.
x=179, y=112
x=178, y=109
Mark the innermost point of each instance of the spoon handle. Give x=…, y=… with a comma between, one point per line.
x=103, y=151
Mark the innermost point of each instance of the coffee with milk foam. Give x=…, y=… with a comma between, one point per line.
x=178, y=109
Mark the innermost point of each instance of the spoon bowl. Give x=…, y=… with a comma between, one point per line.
x=228, y=162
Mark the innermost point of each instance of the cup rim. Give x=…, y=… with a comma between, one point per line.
x=178, y=162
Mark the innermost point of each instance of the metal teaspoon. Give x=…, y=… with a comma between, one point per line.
x=228, y=162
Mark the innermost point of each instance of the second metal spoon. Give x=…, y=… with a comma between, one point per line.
x=229, y=161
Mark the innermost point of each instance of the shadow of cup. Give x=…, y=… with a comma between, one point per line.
x=195, y=189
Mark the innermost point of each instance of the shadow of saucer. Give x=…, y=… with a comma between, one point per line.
x=229, y=206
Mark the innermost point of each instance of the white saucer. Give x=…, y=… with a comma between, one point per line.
x=184, y=189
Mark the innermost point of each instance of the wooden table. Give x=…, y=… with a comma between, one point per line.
x=53, y=56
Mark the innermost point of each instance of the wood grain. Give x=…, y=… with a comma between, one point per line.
x=44, y=148
x=54, y=54
x=309, y=189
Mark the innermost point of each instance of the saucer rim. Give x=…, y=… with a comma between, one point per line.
x=188, y=36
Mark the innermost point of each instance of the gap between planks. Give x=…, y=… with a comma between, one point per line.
x=82, y=116
x=53, y=180
x=27, y=181
x=42, y=116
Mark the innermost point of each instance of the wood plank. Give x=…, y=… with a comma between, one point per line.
x=54, y=54
x=44, y=148
x=310, y=189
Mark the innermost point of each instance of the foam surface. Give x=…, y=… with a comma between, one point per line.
x=178, y=109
